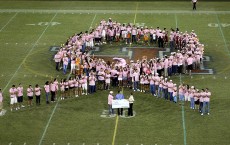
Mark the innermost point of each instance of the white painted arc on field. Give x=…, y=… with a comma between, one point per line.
x=28, y=54
x=222, y=34
x=113, y=11
x=9, y=21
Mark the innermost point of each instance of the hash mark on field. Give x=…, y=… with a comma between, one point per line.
x=54, y=143
x=24, y=143
x=10, y=143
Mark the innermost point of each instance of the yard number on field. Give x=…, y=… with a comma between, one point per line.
x=217, y=25
x=45, y=24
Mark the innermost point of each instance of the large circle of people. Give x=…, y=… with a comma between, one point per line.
x=145, y=75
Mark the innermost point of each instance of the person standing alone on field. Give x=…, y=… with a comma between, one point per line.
x=194, y=4
x=131, y=100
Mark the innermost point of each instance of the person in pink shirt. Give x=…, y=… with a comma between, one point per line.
x=146, y=83
x=202, y=95
x=62, y=88
x=136, y=79
x=107, y=80
x=101, y=79
x=190, y=64
x=175, y=93
x=13, y=98
x=71, y=87
x=57, y=59
x=142, y=82
x=37, y=91
x=170, y=90
x=92, y=83
x=206, y=102
x=65, y=63
x=181, y=93
x=1, y=102
x=120, y=74
x=53, y=90
x=30, y=94
x=110, y=99
x=84, y=84
x=20, y=95
x=47, y=91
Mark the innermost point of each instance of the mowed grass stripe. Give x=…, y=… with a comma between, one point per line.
x=9, y=21
x=28, y=54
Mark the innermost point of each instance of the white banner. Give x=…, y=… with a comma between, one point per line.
x=120, y=103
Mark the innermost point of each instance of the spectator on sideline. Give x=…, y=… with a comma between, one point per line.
x=119, y=96
x=131, y=100
x=110, y=99
x=206, y=103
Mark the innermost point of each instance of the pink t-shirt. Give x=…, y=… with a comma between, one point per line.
x=47, y=88
x=92, y=80
x=20, y=91
x=110, y=99
x=13, y=92
x=1, y=97
x=30, y=92
x=37, y=91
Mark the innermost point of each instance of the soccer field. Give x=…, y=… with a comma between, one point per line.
x=28, y=29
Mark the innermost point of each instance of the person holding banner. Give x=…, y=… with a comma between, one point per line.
x=131, y=100
x=119, y=96
x=110, y=99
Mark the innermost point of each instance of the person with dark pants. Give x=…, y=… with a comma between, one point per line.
x=37, y=91
x=119, y=96
x=194, y=4
x=131, y=100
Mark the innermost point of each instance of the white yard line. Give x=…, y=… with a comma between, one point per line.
x=9, y=21
x=48, y=123
x=28, y=54
x=113, y=11
x=182, y=106
x=222, y=34
x=51, y=116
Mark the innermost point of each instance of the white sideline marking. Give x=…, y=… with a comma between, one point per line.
x=27, y=55
x=54, y=143
x=10, y=143
x=68, y=144
x=9, y=21
x=24, y=143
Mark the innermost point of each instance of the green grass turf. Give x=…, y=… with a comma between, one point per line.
x=78, y=121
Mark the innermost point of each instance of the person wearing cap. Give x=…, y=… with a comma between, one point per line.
x=110, y=99
x=119, y=96
x=131, y=100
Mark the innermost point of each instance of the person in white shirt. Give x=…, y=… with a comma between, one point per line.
x=131, y=100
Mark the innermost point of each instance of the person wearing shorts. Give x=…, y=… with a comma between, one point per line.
x=13, y=99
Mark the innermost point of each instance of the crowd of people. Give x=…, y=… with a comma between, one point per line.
x=145, y=75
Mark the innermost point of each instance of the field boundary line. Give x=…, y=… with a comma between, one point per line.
x=222, y=34
x=28, y=54
x=135, y=17
x=112, y=11
x=9, y=21
x=115, y=131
